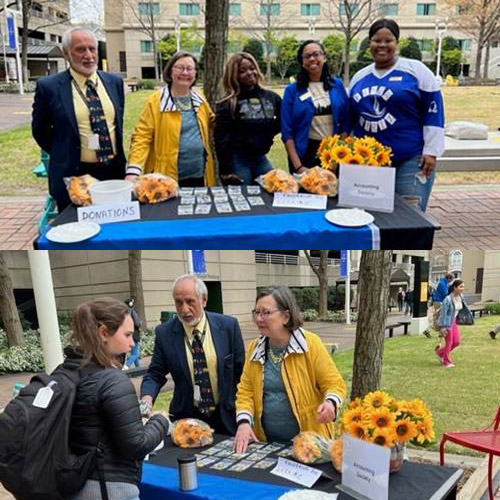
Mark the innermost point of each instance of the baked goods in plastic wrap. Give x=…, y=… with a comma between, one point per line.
x=278, y=181
x=317, y=180
x=155, y=188
x=191, y=433
x=78, y=189
x=336, y=453
x=311, y=448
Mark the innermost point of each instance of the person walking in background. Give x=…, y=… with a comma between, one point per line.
x=289, y=383
x=78, y=117
x=314, y=107
x=106, y=411
x=204, y=354
x=172, y=134
x=401, y=299
x=134, y=355
x=247, y=119
x=408, y=303
x=441, y=292
x=398, y=101
x=452, y=305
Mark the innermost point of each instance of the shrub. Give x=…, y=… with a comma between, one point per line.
x=13, y=87
x=492, y=307
x=310, y=315
x=146, y=84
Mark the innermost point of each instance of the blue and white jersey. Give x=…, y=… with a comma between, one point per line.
x=403, y=109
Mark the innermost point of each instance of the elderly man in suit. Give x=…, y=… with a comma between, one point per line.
x=204, y=354
x=78, y=117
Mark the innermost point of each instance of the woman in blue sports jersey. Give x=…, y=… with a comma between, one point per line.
x=313, y=107
x=398, y=101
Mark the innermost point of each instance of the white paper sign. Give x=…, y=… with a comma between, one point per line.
x=372, y=188
x=298, y=473
x=311, y=201
x=366, y=468
x=103, y=214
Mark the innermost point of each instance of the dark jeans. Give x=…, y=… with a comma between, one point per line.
x=309, y=158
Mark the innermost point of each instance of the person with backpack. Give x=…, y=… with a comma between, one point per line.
x=134, y=355
x=77, y=433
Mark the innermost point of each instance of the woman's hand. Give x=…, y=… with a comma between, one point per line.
x=131, y=177
x=326, y=412
x=244, y=435
x=428, y=164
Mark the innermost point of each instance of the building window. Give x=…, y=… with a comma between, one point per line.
x=146, y=46
x=389, y=9
x=455, y=261
x=268, y=8
x=189, y=9
x=310, y=9
x=354, y=9
x=145, y=9
x=426, y=44
x=426, y=9
x=466, y=44
x=235, y=9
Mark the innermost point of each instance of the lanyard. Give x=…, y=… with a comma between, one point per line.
x=202, y=338
x=80, y=93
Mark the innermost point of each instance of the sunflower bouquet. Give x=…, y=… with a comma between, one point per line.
x=353, y=150
x=383, y=420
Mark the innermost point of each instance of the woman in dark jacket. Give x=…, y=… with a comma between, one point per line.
x=247, y=120
x=106, y=409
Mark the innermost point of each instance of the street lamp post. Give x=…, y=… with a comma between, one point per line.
x=177, y=31
x=13, y=15
x=441, y=28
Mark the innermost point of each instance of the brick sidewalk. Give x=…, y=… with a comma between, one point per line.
x=469, y=216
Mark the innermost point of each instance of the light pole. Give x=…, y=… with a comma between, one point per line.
x=12, y=30
x=441, y=28
x=177, y=31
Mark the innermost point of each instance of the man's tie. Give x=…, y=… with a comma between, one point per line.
x=98, y=124
x=201, y=377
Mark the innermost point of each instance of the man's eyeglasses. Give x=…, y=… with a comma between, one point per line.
x=263, y=314
x=312, y=54
x=182, y=69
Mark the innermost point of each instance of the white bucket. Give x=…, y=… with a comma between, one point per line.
x=113, y=191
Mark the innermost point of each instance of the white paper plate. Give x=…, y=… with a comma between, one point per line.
x=73, y=232
x=349, y=217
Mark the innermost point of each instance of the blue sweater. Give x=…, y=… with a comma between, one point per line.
x=297, y=113
x=441, y=291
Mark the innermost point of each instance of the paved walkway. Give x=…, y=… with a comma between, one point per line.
x=16, y=110
x=469, y=216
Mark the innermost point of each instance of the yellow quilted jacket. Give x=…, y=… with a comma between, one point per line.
x=155, y=141
x=309, y=376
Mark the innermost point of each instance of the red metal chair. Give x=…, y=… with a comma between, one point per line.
x=486, y=440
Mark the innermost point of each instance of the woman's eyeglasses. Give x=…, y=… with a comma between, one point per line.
x=263, y=314
x=182, y=69
x=312, y=54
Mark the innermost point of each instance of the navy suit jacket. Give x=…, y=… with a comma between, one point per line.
x=169, y=357
x=55, y=128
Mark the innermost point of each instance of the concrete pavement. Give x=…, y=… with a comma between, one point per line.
x=16, y=110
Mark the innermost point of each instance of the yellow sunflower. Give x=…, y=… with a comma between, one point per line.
x=405, y=430
x=425, y=432
x=354, y=415
x=363, y=151
x=325, y=158
x=376, y=399
x=356, y=160
x=355, y=403
x=383, y=157
x=358, y=430
x=383, y=437
x=381, y=417
x=341, y=154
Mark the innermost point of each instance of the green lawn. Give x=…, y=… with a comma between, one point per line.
x=464, y=397
x=19, y=153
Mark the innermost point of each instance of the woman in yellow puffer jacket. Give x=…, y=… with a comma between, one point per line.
x=172, y=134
x=289, y=383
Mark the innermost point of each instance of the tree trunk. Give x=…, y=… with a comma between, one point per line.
x=373, y=286
x=347, y=50
x=216, y=32
x=322, y=273
x=487, y=61
x=477, y=75
x=135, y=279
x=8, y=308
x=268, y=60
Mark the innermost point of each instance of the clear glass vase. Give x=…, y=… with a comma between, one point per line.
x=397, y=457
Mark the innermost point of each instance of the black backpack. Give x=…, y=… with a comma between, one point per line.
x=36, y=462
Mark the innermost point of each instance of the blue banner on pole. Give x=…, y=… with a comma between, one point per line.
x=199, y=266
x=11, y=32
x=343, y=263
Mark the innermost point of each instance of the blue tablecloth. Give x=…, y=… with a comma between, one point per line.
x=279, y=232
x=161, y=483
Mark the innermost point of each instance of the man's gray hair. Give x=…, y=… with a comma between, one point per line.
x=200, y=287
x=66, y=38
